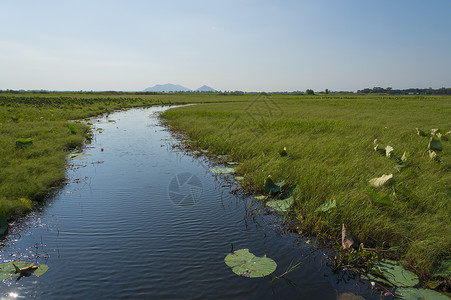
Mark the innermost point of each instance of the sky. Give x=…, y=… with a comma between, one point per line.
x=229, y=45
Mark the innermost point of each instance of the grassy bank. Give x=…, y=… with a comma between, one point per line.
x=37, y=132
x=329, y=141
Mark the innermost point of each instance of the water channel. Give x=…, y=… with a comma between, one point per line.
x=140, y=219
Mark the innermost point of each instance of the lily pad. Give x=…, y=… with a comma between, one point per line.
x=223, y=156
x=395, y=273
x=7, y=270
x=419, y=294
x=220, y=170
x=435, y=144
x=246, y=264
x=239, y=178
x=232, y=163
x=281, y=205
x=260, y=197
x=327, y=205
x=442, y=268
x=382, y=181
x=380, y=199
x=273, y=187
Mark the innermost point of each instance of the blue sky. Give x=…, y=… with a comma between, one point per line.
x=228, y=45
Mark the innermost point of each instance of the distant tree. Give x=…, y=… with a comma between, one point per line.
x=327, y=91
x=310, y=92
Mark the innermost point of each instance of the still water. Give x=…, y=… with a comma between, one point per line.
x=139, y=219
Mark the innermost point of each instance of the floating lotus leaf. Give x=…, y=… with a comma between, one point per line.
x=220, y=170
x=232, y=163
x=273, y=187
x=395, y=273
x=7, y=270
x=389, y=151
x=246, y=264
x=418, y=294
x=380, y=199
x=327, y=205
x=260, y=197
x=435, y=144
x=223, y=156
x=239, y=178
x=3, y=225
x=381, y=181
x=281, y=205
x=442, y=268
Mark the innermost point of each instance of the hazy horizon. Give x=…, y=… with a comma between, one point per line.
x=227, y=45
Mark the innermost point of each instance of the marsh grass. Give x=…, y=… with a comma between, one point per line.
x=329, y=142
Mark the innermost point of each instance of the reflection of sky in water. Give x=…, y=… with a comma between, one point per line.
x=114, y=231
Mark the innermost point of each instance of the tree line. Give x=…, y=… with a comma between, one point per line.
x=412, y=91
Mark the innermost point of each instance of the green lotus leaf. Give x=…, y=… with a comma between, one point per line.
x=220, y=170
x=380, y=199
x=232, y=163
x=381, y=181
x=281, y=205
x=327, y=205
x=419, y=294
x=273, y=187
x=7, y=270
x=435, y=144
x=223, y=156
x=260, y=197
x=239, y=178
x=395, y=273
x=246, y=264
x=442, y=268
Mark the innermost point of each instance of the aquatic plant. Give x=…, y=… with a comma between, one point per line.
x=246, y=264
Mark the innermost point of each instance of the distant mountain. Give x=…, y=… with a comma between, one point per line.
x=206, y=88
x=167, y=88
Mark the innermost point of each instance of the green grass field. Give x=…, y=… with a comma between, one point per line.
x=330, y=141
